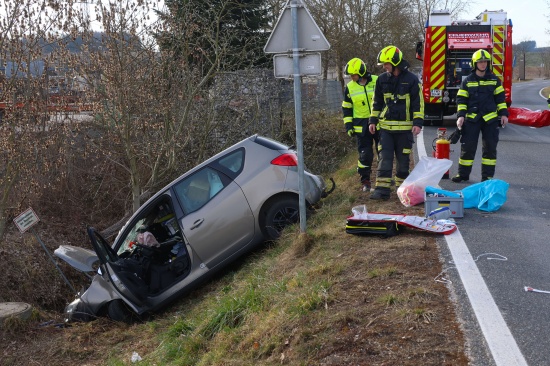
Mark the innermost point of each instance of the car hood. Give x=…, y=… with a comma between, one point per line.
x=80, y=258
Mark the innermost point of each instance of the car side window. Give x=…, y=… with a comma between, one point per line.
x=233, y=162
x=196, y=190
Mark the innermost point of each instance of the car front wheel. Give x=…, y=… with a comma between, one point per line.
x=279, y=214
x=118, y=311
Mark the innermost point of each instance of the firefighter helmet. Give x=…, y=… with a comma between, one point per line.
x=356, y=66
x=390, y=54
x=480, y=55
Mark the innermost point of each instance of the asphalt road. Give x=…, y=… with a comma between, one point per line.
x=518, y=234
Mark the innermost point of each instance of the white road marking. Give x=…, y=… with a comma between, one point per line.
x=500, y=340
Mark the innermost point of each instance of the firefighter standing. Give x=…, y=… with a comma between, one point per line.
x=356, y=108
x=398, y=110
x=480, y=101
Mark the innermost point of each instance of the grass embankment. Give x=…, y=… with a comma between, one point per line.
x=322, y=297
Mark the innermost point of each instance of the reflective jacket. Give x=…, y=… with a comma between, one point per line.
x=481, y=98
x=357, y=104
x=398, y=105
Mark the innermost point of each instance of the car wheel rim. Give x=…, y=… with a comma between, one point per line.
x=285, y=217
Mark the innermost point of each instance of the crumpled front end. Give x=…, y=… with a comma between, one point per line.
x=76, y=311
x=89, y=304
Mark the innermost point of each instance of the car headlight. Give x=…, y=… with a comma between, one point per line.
x=71, y=310
x=76, y=311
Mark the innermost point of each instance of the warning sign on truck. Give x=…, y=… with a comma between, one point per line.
x=469, y=39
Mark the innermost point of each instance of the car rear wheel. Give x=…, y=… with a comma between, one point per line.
x=279, y=214
x=118, y=311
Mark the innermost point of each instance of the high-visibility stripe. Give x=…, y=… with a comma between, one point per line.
x=491, y=162
x=498, y=51
x=367, y=227
x=437, y=60
x=465, y=162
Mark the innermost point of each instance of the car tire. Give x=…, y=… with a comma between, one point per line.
x=279, y=214
x=118, y=311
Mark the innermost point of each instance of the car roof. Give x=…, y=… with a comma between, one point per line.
x=261, y=140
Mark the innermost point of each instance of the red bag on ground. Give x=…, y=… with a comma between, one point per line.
x=529, y=118
x=428, y=172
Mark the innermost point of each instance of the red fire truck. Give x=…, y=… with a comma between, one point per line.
x=447, y=51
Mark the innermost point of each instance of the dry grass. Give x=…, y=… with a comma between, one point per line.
x=322, y=297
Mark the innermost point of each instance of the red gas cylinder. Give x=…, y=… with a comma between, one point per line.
x=442, y=147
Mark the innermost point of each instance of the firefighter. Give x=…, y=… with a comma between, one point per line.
x=480, y=103
x=356, y=108
x=398, y=110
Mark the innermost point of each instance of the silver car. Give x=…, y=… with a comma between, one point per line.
x=196, y=225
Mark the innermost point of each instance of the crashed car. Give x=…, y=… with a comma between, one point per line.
x=196, y=225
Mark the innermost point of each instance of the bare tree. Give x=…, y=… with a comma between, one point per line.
x=425, y=7
x=361, y=28
x=159, y=111
x=32, y=151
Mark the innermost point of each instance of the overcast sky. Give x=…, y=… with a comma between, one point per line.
x=529, y=18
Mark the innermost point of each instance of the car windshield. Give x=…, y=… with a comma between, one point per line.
x=130, y=237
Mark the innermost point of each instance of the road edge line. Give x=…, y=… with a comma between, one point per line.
x=498, y=336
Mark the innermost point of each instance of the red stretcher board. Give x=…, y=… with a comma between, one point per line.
x=528, y=118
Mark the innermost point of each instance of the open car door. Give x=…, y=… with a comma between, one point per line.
x=121, y=274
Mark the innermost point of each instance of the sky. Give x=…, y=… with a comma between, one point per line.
x=529, y=18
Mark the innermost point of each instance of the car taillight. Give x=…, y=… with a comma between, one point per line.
x=285, y=160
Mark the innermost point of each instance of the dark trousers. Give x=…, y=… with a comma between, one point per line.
x=365, y=142
x=489, y=141
x=398, y=144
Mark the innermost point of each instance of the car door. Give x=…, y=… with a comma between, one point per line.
x=217, y=220
x=113, y=269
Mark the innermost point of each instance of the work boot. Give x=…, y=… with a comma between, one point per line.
x=366, y=185
x=459, y=179
x=380, y=194
x=483, y=179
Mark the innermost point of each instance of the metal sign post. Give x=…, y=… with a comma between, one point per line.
x=298, y=114
x=305, y=38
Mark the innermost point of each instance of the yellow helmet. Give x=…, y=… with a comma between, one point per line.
x=390, y=54
x=480, y=55
x=356, y=66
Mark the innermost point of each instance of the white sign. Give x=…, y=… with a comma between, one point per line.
x=310, y=37
x=310, y=64
x=25, y=220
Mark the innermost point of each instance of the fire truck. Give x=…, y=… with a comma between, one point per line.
x=446, y=55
